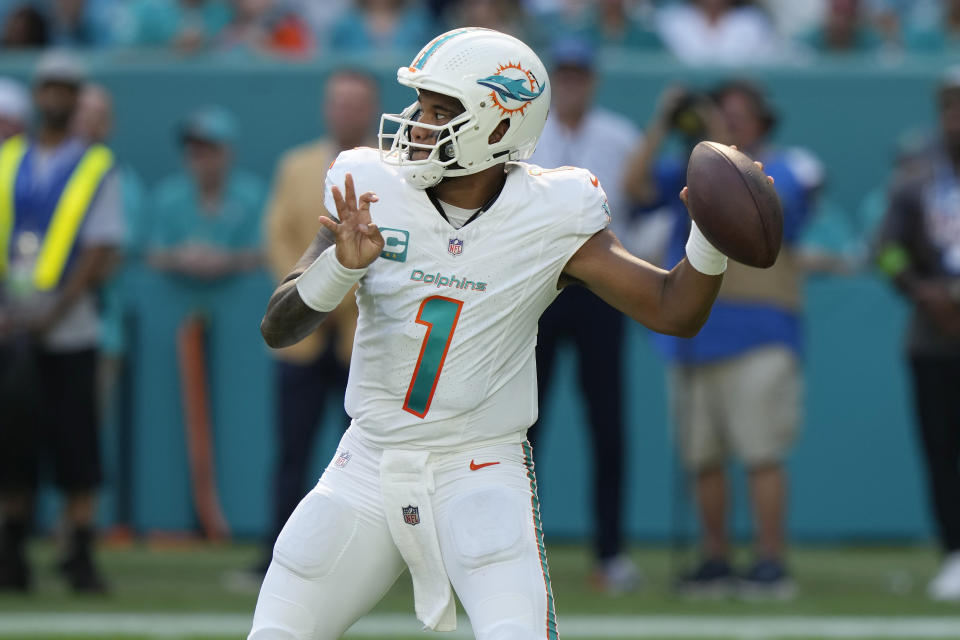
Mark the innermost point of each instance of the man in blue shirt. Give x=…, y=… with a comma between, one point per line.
x=736, y=385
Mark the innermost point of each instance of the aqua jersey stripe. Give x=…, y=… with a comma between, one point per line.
x=422, y=60
x=538, y=528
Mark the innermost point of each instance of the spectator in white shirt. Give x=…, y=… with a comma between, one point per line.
x=718, y=32
x=580, y=133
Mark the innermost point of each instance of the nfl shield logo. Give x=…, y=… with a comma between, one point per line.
x=411, y=515
x=343, y=457
x=455, y=247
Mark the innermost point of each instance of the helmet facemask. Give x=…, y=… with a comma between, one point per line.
x=443, y=148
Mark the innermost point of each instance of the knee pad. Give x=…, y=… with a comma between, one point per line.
x=488, y=526
x=316, y=535
x=508, y=631
x=279, y=615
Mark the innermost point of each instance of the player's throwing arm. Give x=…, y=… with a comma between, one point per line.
x=336, y=259
x=735, y=212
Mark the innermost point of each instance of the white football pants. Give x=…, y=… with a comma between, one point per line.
x=335, y=558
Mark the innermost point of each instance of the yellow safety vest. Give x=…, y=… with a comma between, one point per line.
x=71, y=208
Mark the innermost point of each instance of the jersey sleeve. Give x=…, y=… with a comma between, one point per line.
x=595, y=214
x=580, y=223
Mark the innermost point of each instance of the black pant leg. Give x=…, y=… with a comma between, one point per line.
x=549, y=335
x=599, y=342
x=938, y=418
x=334, y=375
x=68, y=383
x=21, y=433
x=300, y=398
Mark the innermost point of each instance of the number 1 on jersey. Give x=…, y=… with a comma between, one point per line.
x=440, y=316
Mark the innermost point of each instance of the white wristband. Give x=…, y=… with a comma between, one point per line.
x=325, y=282
x=702, y=255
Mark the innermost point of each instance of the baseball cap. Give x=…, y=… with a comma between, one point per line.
x=573, y=51
x=14, y=100
x=59, y=66
x=210, y=123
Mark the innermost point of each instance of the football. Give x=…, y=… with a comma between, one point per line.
x=734, y=204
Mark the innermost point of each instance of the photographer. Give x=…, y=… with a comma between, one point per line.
x=691, y=115
x=736, y=385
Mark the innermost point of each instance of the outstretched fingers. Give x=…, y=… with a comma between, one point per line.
x=349, y=191
x=363, y=209
x=329, y=223
x=347, y=203
x=339, y=202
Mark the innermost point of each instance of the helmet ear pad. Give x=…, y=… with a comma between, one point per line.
x=447, y=150
x=501, y=130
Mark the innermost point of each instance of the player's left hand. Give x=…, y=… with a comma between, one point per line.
x=358, y=239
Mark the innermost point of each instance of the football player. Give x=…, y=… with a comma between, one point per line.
x=458, y=247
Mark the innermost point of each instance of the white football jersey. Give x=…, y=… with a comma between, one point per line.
x=444, y=351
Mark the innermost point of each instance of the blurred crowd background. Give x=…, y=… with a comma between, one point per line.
x=709, y=31
x=220, y=119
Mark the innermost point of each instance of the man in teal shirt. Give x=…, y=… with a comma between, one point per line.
x=204, y=229
x=206, y=221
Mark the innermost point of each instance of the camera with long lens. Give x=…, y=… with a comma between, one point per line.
x=686, y=117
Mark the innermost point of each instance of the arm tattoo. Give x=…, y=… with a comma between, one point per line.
x=287, y=319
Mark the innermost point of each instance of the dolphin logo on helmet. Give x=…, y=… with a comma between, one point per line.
x=510, y=88
x=513, y=88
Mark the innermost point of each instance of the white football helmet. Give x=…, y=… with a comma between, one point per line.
x=496, y=77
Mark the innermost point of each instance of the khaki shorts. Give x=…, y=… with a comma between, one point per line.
x=748, y=406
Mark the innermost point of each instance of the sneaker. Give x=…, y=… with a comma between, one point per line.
x=616, y=575
x=713, y=578
x=768, y=579
x=81, y=574
x=14, y=572
x=946, y=586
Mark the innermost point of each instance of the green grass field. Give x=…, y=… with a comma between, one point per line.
x=160, y=591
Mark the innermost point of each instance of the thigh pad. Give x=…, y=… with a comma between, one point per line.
x=488, y=526
x=316, y=535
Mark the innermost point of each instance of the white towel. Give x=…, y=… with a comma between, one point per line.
x=406, y=483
